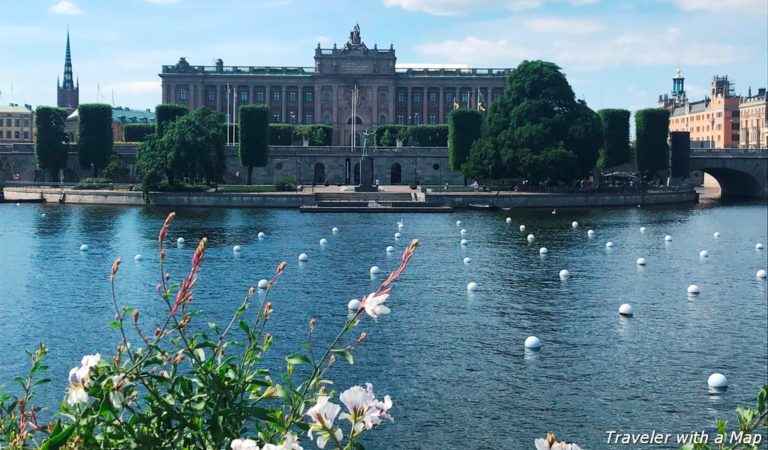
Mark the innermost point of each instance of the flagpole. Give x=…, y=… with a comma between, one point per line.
x=228, y=91
x=234, y=113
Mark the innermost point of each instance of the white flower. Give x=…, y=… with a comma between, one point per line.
x=374, y=305
x=364, y=410
x=90, y=360
x=76, y=394
x=323, y=414
x=244, y=444
x=290, y=442
x=322, y=439
x=550, y=444
x=116, y=395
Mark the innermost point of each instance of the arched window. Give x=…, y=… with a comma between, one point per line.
x=395, y=174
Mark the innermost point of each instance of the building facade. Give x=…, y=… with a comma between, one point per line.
x=712, y=122
x=121, y=117
x=17, y=124
x=754, y=121
x=354, y=77
x=68, y=93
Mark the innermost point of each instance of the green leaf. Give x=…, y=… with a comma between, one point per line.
x=58, y=436
x=297, y=359
x=116, y=325
x=345, y=354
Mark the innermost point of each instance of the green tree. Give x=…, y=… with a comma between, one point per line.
x=151, y=164
x=51, y=145
x=281, y=134
x=615, y=148
x=537, y=115
x=137, y=132
x=651, y=130
x=195, y=147
x=430, y=135
x=387, y=140
x=165, y=114
x=115, y=169
x=254, y=137
x=321, y=135
x=94, y=134
x=464, y=128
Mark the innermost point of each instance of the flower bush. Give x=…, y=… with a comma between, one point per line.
x=178, y=388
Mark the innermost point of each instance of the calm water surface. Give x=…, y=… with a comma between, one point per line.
x=453, y=363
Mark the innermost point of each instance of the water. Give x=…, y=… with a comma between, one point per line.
x=453, y=363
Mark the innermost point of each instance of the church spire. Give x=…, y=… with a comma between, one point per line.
x=68, y=84
x=68, y=95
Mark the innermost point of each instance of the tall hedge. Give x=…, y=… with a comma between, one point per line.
x=254, y=136
x=137, y=132
x=94, y=134
x=315, y=134
x=281, y=134
x=168, y=113
x=464, y=128
x=429, y=135
x=388, y=139
x=615, y=149
x=652, y=129
x=51, y=146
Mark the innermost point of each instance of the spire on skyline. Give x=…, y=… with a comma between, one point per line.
x=68, y=94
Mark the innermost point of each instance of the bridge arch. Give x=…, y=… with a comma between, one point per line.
x=734, y=183
x=740, y=173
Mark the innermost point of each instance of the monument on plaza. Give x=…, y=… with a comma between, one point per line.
x=366, y=168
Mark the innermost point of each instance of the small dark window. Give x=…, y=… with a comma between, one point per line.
x=436, y=166
x=279, y=166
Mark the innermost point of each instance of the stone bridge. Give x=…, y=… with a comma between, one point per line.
x=740, y=173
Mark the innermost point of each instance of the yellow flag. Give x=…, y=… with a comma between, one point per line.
x=455, y=103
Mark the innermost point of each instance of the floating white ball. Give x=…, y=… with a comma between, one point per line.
x=554, y=211
x=263, y=284
x=590, y=233
x=532, y=342
x=693, y=289
x=626, y=310
x=564, y=274
x=509, y=220
x=716, y=235
x=704, y=254
x=138, y=258
x=522, y=227
x=574, y=224
x=472, y=286
x=353, y=304
x=180, y=241
x=83, y=248
x=18, y=204
x=375, y=270
x=399, y=226
x=531, y=238
x=667, y=238
x=463, y=232
x=397, y=235
x=642, y=229
x=303, y=257
x=323, y=241
x=261, y=235
x=334, y=230
x=458, y=223
x=761, y=274
x=640, y=261
x=236, y=248
x=467, y=260
x=609, y=244
x=464, y=242
x=543, y=251
x=390, y=249
x=758, y=246
x=717, y=381
x=42, y=215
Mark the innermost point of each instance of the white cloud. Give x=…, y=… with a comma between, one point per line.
x=562, y=25
x=475, y=52
x=65, y=8
x=720, y=6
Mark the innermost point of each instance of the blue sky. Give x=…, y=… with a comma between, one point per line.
x=615, y=53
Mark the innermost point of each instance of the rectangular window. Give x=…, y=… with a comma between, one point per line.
x=25, y=123
x=326, y=96
x=275, y=96
x=327, y=119
x=433, y=119
x=181, y=95
x=17, y=122
x=735, y=126
x=496, y=96
x=26, y=135
x=8, y=134
x=401, y=120
x=16, y=134
x=383, y=96
x=292, y=96
x=308, y=118
x=259, y=96
x=243, y=96
x=401, y=97
x=8, y=123
x=276, y=117
x=433, y=97
x=417, y=97
x=734, y=137
x=308, y=97
x=211, y=96
x=464, y=97
x=417, y=119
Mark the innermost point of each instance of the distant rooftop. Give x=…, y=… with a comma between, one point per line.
x=127, y=115
x=15, y=109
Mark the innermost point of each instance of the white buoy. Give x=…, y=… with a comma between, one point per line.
x=522, y=227
x=83, y=248
x=693, y=290
x=334, y=230
x=263, y=284
x=353, y=304
x=761, y=274
x=397, y=235
x=375, y=270
x=532, y=343
x=543, y=251
x=463, y=231
x=42, y=215
x=323, y=241
x=509, y=220
x=472, y=286
x=303, y=257
x=390, y=249
x=464, y=242
x=467, y=260
x=574, y=224
x=716, y=235
x=236, y=248
x=758, y=246
x=458, y=223
x=609, y=244
x=261, y=235
x=703, y=254
x=717, y=381
x=590, y=233
x=400, y=226
x=640, y=261
x=18, y=204
x=667, y=238
x=138, y=258
x=180, y=241
x=626, y=310
x=531, y=238
x=554, y=211
x=642, y=229
x=564, y=274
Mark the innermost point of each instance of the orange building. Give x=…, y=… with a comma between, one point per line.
x=712, y=122
x=754, y=122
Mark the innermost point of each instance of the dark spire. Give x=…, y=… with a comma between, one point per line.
x=68, y=84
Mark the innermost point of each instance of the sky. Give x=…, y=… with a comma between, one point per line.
x=615, y=53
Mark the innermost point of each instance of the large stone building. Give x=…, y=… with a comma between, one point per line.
x=68, y=93
x=386, y=93
x=754, y=121
x=712, y=122
x=17, y=124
